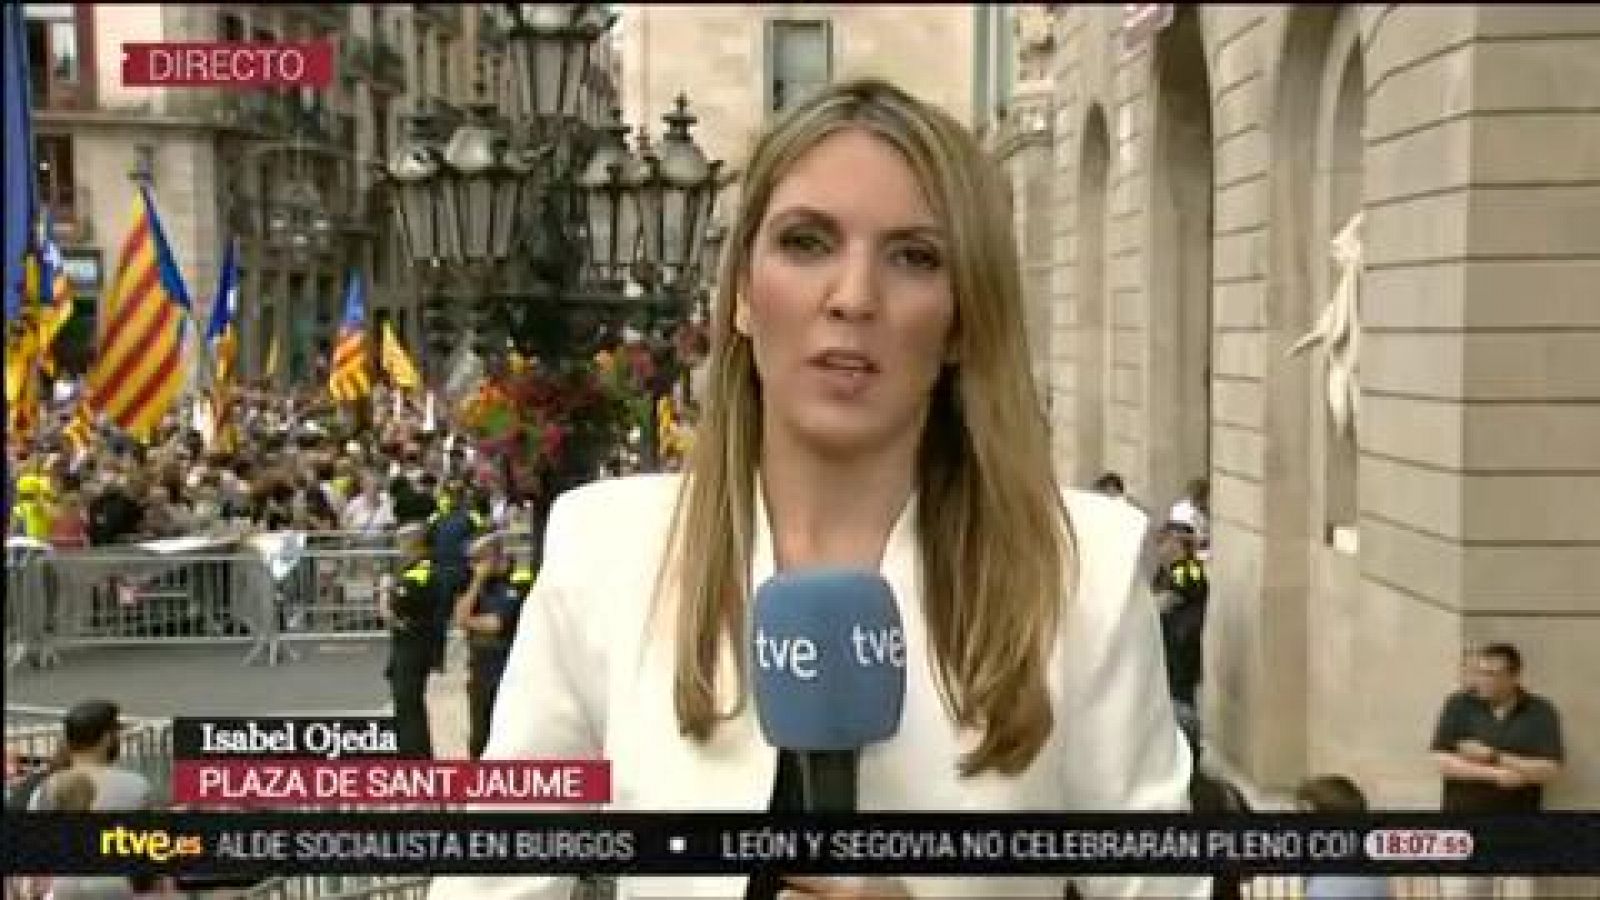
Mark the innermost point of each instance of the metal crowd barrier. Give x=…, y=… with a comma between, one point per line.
x=325, y=887
x=323, y=587
x=25, y=587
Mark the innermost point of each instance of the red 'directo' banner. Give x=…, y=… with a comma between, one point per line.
x=267, y=782
x=226, y=64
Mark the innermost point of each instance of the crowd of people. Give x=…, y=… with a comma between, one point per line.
x=296, y=463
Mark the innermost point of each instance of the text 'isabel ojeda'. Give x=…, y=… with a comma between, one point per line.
x=325, y=738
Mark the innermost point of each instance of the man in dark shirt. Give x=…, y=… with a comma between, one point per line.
x=1497, y=745
x=115, y=513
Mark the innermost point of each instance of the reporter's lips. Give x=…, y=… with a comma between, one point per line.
x=845, y=373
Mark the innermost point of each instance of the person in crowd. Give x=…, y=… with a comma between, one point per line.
x=92, y=735
x=1182, y=588
x=1338, y=794
x=371, y=511
x=451, y=531
x=74, y=790
x=272, y=502
x=311, y=509
x=69, y=530
x=408, y=604
x=162, y=518
x=34, y=511
x=413, y=502
x=501, y=507
x=487, y=611
x=870, y=406
x=1194, y=510
x=1498, y=744
x=116, y=512
x=1111, y=484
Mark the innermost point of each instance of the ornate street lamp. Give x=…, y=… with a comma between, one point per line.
x=580, y=232
x=608, y=190
x=676, y=201
x=486, y=191
x=550, y=52
x=412, y=176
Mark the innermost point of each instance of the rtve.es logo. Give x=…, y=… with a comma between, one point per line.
x=156, y=845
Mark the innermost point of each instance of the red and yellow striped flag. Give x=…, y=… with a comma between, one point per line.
x=80, y=428
x=139, y=366
x=54, y=290
x=349, y=377
x=22, y=376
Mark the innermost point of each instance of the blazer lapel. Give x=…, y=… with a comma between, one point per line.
x=736, y=769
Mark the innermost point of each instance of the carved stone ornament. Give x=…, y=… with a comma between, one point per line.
x=1338, y=330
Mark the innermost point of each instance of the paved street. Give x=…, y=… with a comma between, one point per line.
x=208, y=679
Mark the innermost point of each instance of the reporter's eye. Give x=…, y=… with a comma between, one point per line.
x=919, y=256
x=804, y=243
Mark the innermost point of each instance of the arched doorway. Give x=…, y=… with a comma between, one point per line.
x=1094, y=171
x=1179, y=364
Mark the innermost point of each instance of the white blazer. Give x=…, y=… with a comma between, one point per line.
x=590, y=675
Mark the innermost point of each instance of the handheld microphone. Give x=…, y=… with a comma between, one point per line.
x=830, y=674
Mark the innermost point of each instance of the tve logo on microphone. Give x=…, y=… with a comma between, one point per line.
x=798, y=655
x=830, y=659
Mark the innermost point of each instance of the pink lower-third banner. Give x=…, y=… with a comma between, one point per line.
x=278, y=782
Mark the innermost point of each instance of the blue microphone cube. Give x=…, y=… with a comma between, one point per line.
x=829, y=658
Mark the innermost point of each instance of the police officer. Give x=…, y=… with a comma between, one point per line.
x=488, y=611
x=409, y=604
x=451, y=531
x=1184, y=589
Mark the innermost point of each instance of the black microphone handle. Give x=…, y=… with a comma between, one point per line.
x=828, y=780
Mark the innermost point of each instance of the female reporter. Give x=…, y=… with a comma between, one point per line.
x=869, y=405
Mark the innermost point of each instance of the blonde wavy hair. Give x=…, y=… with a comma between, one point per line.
x=998, y=553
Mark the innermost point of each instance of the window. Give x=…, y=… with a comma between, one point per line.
x=421, y=58
x=55, y=69
x=444, y=68
x=56, y=175
x=232, y=28
x=799, y=61
x=380, y=127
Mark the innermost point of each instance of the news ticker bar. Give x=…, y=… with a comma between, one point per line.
x=548, y=843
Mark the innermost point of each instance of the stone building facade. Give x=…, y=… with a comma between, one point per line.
x=737, y=64
x=220, y=161
x=1196, y=175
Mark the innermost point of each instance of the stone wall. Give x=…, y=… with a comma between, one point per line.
x=1348, y=573
x=716, y=54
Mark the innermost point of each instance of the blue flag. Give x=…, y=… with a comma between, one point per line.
x=19, y=196
x=355, y=303
x=226, y=306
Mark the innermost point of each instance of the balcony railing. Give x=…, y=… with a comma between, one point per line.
x=263, y=114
